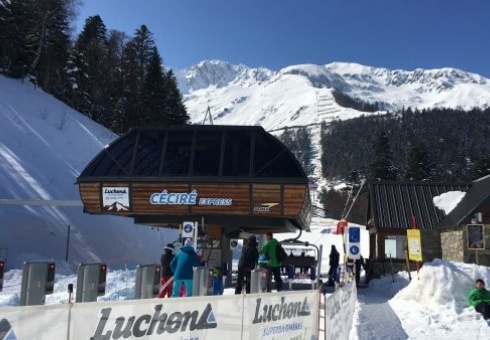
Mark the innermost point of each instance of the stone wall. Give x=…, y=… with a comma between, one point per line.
x=452, y=244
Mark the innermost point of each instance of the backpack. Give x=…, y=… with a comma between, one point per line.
x=281, y=253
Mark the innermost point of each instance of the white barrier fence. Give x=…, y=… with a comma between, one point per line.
x=284, y=315
x=339, y=312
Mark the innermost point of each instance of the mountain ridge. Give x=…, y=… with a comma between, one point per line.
x=234, y=91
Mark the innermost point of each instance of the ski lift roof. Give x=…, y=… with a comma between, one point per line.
x=243, y=153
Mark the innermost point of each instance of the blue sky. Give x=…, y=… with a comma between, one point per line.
x=404, y=34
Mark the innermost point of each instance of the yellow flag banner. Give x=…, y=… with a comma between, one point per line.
x=414, y=245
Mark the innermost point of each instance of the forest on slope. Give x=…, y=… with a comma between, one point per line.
x=429, y=145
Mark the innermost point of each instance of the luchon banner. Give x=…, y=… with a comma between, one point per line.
x=284, y=315
x=339, y=311
x=35, y=322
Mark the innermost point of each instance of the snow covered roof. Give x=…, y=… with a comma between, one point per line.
x=477, y=198
x=392, y=204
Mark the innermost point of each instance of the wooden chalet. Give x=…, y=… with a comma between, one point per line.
x=465, y=232
x=394, y=207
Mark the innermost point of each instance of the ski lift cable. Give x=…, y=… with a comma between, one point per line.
x=355, y=198
x=347, y=201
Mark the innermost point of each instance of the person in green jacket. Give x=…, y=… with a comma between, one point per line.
x=274, y=266
x=480, y=299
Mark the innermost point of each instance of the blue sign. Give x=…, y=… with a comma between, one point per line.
x=354, y=250
x=354, y=234
x=188, y=228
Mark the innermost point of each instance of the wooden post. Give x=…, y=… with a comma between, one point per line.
x=407, y=261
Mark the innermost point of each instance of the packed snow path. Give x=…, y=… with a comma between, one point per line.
x=376, y=319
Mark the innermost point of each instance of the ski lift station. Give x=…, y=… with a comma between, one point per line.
x=222, y=182
x=216, y=184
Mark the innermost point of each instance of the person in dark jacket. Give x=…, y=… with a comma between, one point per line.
x=166, y=283
x=480, y=299
x=248, y=261
x=334, y=266
x=183, y=267
x=274, y=266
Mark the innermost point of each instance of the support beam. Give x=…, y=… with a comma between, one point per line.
x=42, y=202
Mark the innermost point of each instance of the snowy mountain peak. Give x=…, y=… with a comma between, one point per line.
x=302, y=94
x=443, y=79
x=218, y=73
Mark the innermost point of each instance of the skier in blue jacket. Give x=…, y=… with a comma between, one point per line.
x=183, y=267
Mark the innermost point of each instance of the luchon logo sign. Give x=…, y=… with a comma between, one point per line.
x=280, y=311
x=6, y=331
x=138, y=326
x=115, y=199
x=289, y=314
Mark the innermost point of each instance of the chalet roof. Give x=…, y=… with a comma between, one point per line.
x=476, y=197
x=392, y=204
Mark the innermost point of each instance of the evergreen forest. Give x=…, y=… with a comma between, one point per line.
x=117, y=80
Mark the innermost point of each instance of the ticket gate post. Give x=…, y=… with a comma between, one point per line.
x=37, y=281
x=203, y=282
x=313, y=276
x=258, y=281
x=147, y=283
x=291, y=270
x=91, y=281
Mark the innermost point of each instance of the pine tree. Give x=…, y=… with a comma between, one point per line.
x=136, y=58
x=382, y=166
x=49, y=66
x=128, y=104
x=418, y=166
x=143, y=45
x=34, y=38
x=87, y=69
x=154, y=108
x=481, y=167
x=15, y=17
x=176, y=110
x=114, y=100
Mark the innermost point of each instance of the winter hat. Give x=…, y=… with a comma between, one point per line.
x=252, y=239
x=188, y=242
x=169, y=246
